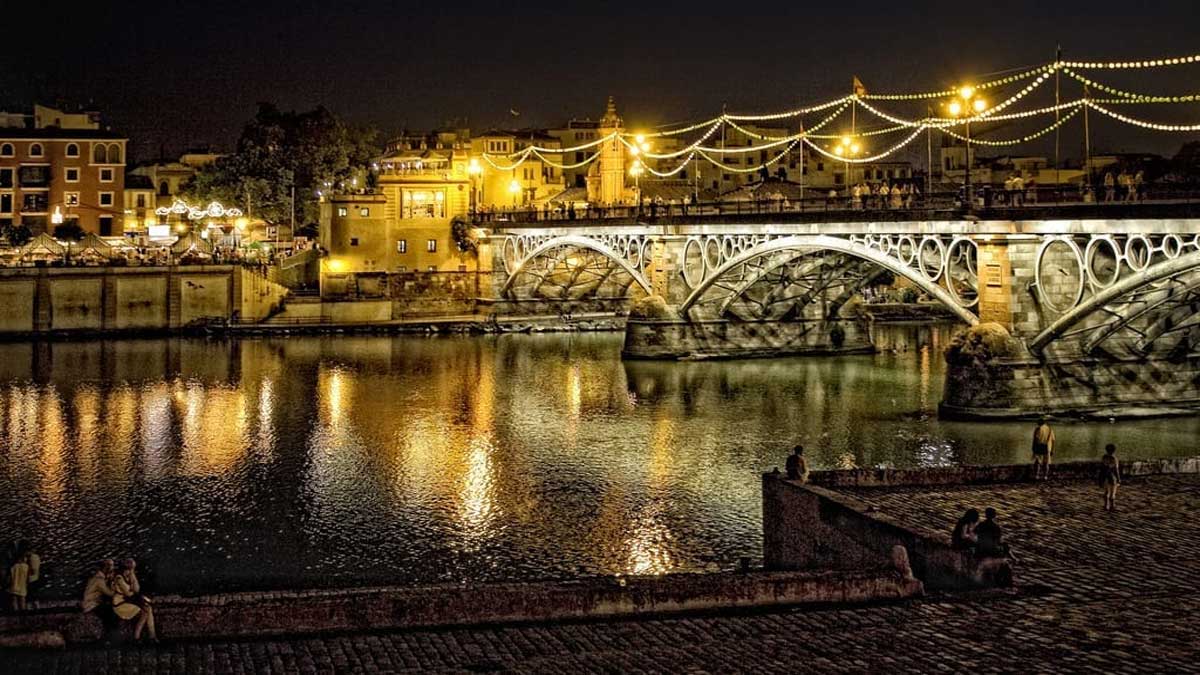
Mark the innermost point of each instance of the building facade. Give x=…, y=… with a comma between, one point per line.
x=66, y=170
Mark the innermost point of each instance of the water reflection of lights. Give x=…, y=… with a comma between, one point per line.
x=266, y=413
x=649, y=545
x=932, y=452
x=477, y=498
x=214, y=425
x=574, y=391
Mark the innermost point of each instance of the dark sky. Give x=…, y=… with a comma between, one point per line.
x=174, y=74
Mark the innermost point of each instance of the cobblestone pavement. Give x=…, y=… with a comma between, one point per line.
x=1100, y=593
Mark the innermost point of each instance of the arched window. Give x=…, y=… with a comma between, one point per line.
x=35, y=149
x=164, y=189
x=7, y=150
x=99, y=154
x=72, y=150
x=114, y=154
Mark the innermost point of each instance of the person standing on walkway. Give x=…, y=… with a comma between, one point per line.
x=797, y=467
x=1043, y=449
x=1110, y=476
x=18, y=580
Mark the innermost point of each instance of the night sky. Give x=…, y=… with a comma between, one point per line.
x=177, y=75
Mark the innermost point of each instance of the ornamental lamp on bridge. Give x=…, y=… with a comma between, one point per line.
x=514, y=188
x=967, y=106
x=847, y=148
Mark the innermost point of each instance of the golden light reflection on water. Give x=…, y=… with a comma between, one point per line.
x=213, y=429
x=53, y=442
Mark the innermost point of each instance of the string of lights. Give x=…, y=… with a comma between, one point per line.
x=672, y=172
x=1141, y=123
x=576, y=165
x=1113, y=65
x=1131, y=96
x=769, y=162
x=951, y=92
x=790, y=113
x=866, y=160
x=1017, y=141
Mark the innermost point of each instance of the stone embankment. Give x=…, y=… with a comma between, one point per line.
x=256, y=615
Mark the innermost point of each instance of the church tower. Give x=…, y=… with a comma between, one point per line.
x=606, y=184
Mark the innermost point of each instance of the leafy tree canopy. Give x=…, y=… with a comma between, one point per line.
x=278, y=150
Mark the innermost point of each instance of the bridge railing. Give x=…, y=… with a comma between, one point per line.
x=933, y=205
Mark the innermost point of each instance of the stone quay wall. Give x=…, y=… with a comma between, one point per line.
x=1085, y=386
x=243, y=615
x=674, y=339
x=133, y=300
x=814, y=526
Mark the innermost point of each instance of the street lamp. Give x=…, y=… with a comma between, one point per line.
x=967, y=105
x=846, y=148
x=636, y=171
x=514, y=188
x=474, y=170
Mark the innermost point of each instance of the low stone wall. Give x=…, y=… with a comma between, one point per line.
x=670, y=339
x=988, y=474
x=303, y=612
x=541, y=307
x=888, y=312
x=1086, y=386
x=428, y=294
x=813, y=526
x=808, y=527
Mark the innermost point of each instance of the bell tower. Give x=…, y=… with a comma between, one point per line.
x=612, y=158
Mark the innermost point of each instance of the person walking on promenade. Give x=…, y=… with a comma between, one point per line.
x=797, y=467
x=1110, y=187
x=1110, y=476
x=1043, y=449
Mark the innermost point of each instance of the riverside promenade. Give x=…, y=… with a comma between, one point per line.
x=1097, y=592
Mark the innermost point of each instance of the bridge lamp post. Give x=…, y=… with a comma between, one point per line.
x=846, y=148
x=967, y=105
x=514, y=188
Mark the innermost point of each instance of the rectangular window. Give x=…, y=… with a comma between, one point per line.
x=71, y=174
x=106, y=226
x=71, y=198
x=423, y=204
x=35, y=202
x=431, y=245
x=820, y=166
x=6, y=178
x=402, y=246
x=106, y=175
x=342, y=211
x=6, y=202
x=364, y=212
x=34, y=176
x=354, y=241
x=106, y=199
x=141, y=201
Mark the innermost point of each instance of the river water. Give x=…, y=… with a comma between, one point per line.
x=340, y=460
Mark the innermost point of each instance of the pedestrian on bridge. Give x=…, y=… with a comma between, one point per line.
x=1043, y=449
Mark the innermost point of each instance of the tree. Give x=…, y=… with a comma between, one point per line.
x=278, y=150
x=68, y=231
x=17, y=235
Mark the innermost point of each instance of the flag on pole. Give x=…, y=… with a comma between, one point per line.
x=859, y=88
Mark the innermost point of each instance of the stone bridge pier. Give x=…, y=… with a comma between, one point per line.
x=1086, y=316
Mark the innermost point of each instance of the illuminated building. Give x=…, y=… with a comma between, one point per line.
x=58, y=167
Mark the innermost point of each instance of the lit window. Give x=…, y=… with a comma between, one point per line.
x=431, y=245
x=72, y=174
x=432, y=268
x=402, y=246
x=364, y=212
x=35, y=150
x=106, y=199
x=71, y=198
x=342, y=211
x=72, y=150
